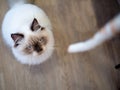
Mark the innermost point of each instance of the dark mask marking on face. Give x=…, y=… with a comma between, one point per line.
x=38, y=48
x=36, y=44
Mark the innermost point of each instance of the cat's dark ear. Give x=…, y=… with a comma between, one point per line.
x=35, y=25
x=17, y=37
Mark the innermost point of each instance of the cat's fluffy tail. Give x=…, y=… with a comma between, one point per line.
x=13, y=3
x=104, y=34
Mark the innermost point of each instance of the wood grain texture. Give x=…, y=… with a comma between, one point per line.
x=72, y=21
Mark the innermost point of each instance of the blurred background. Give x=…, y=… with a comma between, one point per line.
x=72, y=21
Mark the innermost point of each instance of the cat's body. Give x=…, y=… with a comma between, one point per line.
x=105, y=33
x=27, y=31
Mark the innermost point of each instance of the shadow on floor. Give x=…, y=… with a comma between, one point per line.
x=109, y=9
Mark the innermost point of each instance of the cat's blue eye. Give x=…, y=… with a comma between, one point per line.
x=29, y=47
x=41, y=39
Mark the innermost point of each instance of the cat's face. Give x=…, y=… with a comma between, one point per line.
x=36, y=43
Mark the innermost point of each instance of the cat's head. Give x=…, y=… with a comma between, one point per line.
x=36, y=43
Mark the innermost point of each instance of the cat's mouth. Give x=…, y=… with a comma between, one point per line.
x=38, y=51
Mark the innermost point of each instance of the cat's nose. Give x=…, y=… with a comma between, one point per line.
x=38, y=48
x=41, y=49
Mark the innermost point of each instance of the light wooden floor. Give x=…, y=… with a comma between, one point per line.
x=72, y=20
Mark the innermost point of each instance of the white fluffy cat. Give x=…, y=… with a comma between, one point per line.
x=105, y=33
x=26, y=29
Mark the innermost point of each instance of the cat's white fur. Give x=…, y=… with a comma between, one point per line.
x=109, y=30
x=17, y=20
